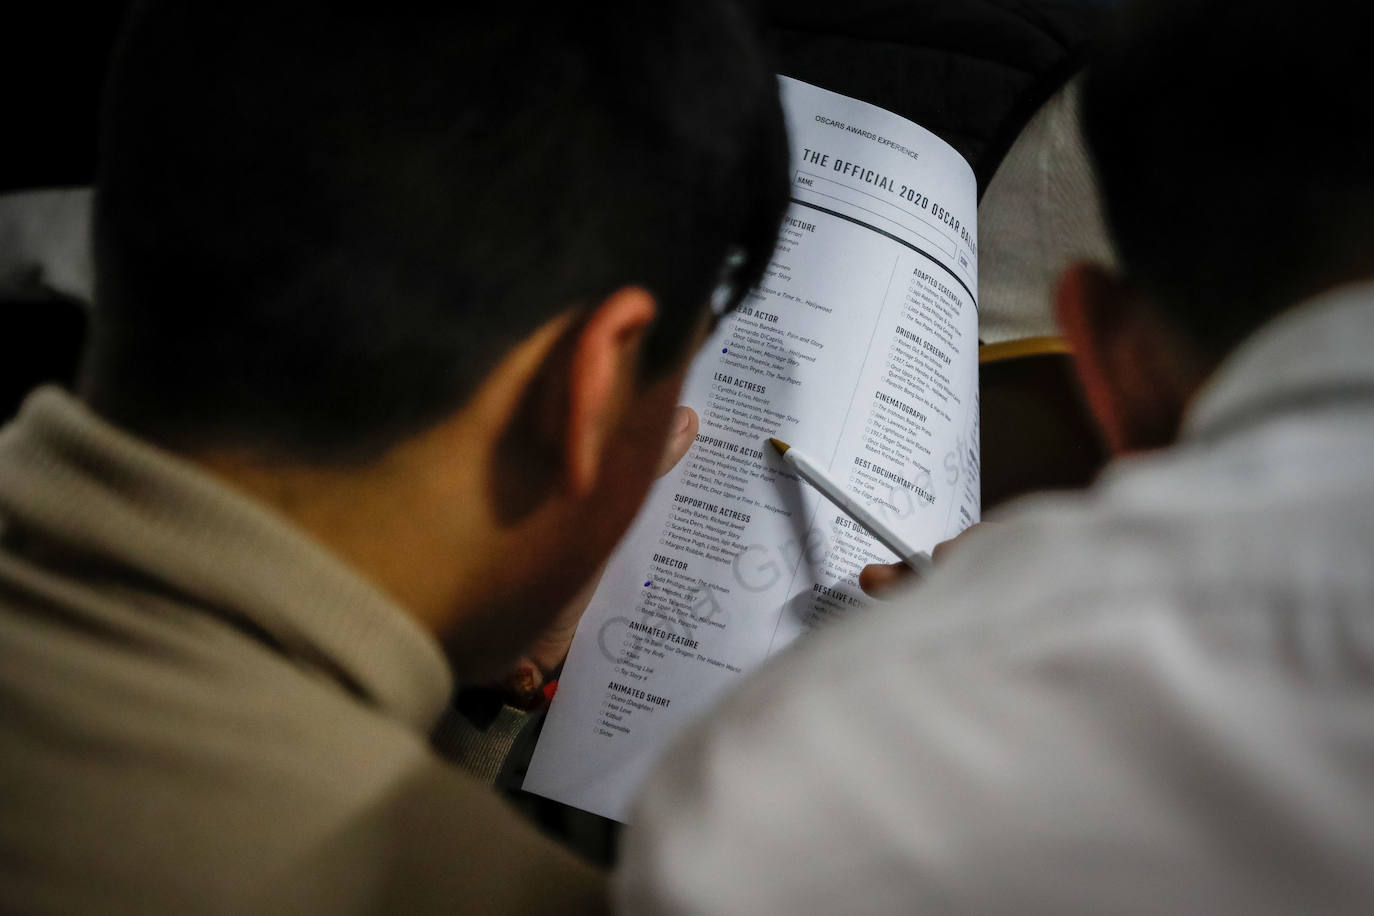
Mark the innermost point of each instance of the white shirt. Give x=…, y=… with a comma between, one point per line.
x=1156, y=696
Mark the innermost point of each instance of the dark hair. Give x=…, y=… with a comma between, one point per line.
x=1232, y=139
x=320, y=224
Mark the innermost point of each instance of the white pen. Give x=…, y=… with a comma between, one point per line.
x=811, y=472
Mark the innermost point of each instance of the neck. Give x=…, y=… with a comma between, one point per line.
x=418, y=535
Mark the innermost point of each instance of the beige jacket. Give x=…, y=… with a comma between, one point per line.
x=202, y=710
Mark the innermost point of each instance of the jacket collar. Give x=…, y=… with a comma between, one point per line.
x=74, y=480
x=1316, y=354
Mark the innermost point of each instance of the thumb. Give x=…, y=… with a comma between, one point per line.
x=880, y=580
x=523, y=683
x=683, y=432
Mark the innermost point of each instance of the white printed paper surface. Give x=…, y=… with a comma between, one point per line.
x=859, y=349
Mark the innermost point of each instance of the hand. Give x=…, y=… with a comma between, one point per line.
x=545, y=655
x=882, y=580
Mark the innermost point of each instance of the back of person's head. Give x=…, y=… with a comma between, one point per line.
x=320, y=223
x=1232, y=139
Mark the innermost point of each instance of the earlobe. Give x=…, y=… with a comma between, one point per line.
x=603, y=374
x=1132, y=369
x=1084, y=318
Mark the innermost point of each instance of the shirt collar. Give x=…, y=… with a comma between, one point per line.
x=70, y=477
x=1319, y=352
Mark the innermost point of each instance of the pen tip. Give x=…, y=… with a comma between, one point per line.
x=781, y=446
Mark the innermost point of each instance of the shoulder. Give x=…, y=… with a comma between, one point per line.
x=301, y=799
x=194, y=773
x=1112, y=670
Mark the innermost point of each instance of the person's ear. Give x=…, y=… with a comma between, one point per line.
x=1137, y=372
x=603, y=375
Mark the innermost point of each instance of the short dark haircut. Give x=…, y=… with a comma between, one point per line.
x=1232, y=139
x=320, y=224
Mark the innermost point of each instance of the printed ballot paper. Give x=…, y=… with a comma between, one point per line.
x=859, y=347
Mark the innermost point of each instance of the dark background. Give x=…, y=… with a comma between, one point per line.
x=971, y=71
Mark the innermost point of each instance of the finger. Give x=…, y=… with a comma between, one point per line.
x=524, y=682
x=879, y=580
x=683, y=433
